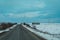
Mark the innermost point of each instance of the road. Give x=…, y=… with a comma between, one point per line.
x=21, y=33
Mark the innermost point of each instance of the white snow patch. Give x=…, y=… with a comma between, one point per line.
x=53, y=28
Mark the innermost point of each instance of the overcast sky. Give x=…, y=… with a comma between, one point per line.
x=29, y=10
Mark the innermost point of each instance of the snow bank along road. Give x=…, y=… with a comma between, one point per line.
x=46, y=34
x=20, y=33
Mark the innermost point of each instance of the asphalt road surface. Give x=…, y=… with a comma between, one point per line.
x=21, y=33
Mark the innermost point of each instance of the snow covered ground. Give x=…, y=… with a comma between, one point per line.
x=50, y=31
x=53, y=28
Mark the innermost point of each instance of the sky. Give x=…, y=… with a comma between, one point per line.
x=30, y=11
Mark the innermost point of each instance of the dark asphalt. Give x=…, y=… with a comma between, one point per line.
x=21, y=33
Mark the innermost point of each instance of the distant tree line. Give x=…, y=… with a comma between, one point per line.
x=6, y=25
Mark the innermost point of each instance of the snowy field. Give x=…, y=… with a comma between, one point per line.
x=50, y=31
x=53, y=28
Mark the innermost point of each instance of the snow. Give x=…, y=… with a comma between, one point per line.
x=52, y=28
x=2, y=31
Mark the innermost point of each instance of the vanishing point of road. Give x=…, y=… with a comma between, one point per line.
x=20, y=33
